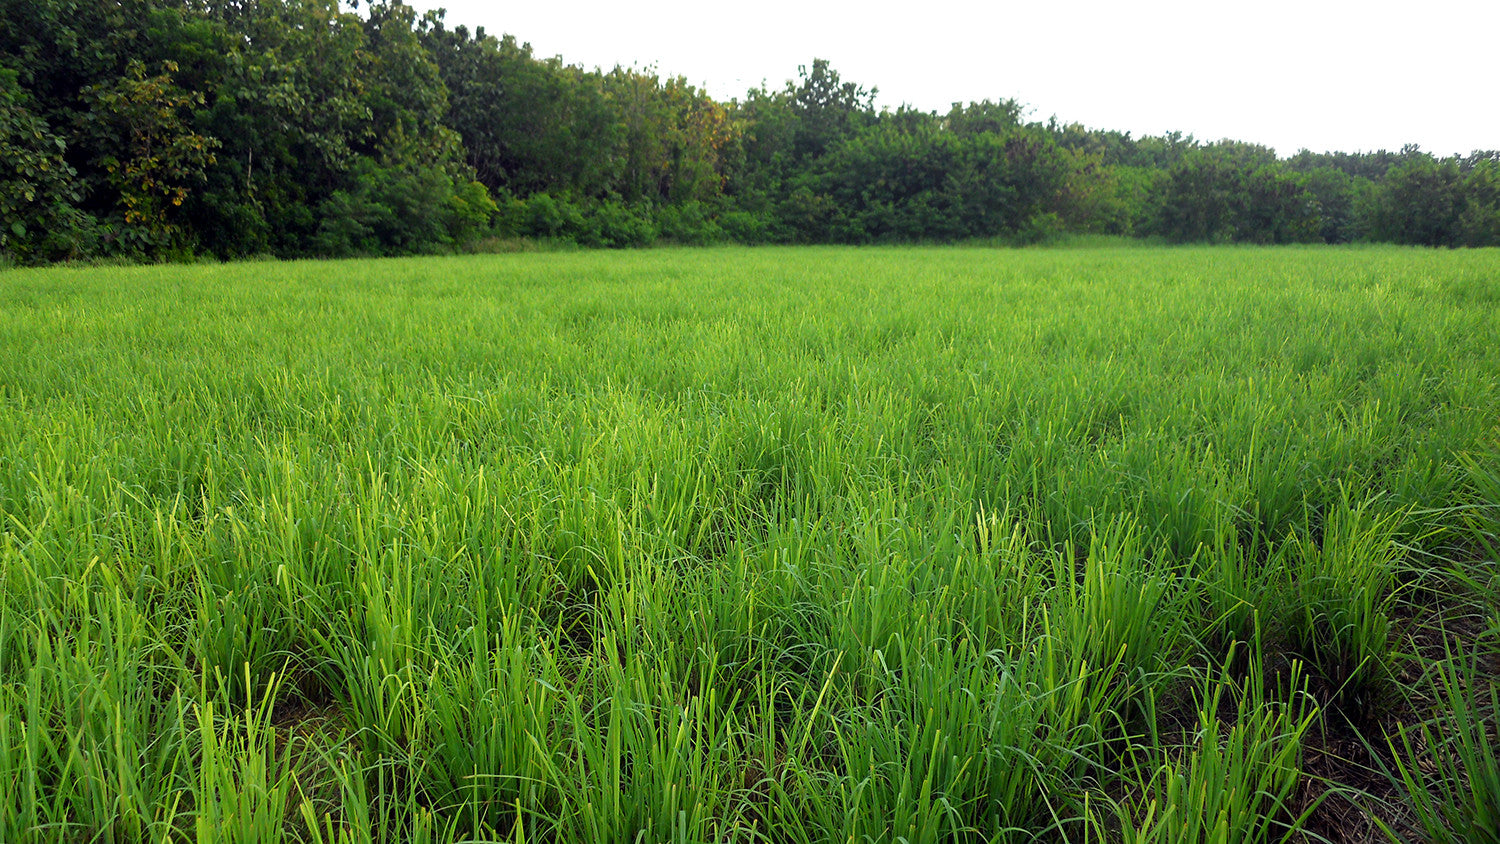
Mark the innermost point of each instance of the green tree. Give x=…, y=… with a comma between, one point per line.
x=759, y=163
x=1276, y=208
x=1479, y=222
x=39, y=220
x=984, y=116
x=405, y=91
x=1335, y=195
x=1199, y=198
x=701, y=139
x=285, y=85
x=1234, y=192
x=528, y=125
x=157, y=158
x=644, y=119
x=906, y=181
x=1419, y=202
x=827, y=109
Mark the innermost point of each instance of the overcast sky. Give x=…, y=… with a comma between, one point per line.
x=1323, y=74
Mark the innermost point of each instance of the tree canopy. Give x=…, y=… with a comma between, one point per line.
x=160, y=129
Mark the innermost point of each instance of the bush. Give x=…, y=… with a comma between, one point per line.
x=403, y=211
x=689, y=223
x=748, y=227
x=617, y=225
x=38, y=192
x=1041, y=228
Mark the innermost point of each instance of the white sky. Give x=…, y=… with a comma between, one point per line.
x=1323, y=74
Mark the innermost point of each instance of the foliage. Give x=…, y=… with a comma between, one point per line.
x=1335, y=198
x=825, y=110
x=39, y=220
x=1418, y=202
x=691, y=223
x=157, y=157
x=1479, y=222
x=397, y=208
x=247, y=127
x=528, y=125
x=1232, y=193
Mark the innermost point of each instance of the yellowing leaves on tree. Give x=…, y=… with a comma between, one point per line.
x=160, y=153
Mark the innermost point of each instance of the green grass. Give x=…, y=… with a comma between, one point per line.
x=717, y=545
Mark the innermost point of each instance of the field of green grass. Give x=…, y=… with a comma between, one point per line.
x=794, y=545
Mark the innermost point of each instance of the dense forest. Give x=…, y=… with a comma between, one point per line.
x=173, y=129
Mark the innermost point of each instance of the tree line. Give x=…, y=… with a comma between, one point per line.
x=168, y=129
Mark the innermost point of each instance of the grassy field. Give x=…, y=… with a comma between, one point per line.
x=802, y=545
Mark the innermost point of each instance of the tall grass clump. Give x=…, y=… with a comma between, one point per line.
x=1338, y=605
x=1448, y=765
x=1236, y=775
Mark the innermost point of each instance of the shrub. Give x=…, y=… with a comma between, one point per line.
x=403, y=211
x=689, y=223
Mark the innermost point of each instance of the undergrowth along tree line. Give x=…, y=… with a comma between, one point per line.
x=162, y=129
